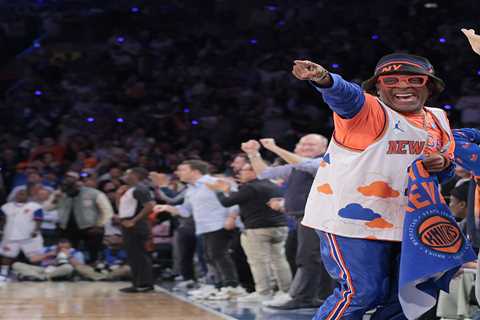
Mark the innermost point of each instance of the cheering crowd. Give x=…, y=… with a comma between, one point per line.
x=117, y=181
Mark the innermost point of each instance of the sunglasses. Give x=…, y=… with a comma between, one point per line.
x=393, y=80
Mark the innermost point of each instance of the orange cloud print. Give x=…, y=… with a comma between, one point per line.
x=325, y=188
x=378, y=189
x=379, y=223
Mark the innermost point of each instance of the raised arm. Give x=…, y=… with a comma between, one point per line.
x=344, y=98
x=252, y=148
x=289, y=157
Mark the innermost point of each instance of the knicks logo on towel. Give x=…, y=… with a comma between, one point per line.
x=405, y=147
x=439, y=234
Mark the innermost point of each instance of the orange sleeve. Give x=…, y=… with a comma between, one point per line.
x=364, y=128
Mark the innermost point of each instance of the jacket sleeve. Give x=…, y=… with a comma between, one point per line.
x=344, y=98
x=105, y=209
x=234, y=198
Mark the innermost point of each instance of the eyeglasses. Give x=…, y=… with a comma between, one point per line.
x=390, y=81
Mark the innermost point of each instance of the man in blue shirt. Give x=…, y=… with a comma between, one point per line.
x=211, y=222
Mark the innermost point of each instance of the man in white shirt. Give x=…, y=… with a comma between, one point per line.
x=21, y=230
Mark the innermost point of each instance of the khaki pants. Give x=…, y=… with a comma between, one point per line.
x=265, y=251
x=42, y=273
x=90, y=273
x=456, y=304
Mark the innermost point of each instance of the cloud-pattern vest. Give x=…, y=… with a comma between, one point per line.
x=361, y=194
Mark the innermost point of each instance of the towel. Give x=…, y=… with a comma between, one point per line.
x=433, y=246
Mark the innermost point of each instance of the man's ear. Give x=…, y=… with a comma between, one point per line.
x=463, y=204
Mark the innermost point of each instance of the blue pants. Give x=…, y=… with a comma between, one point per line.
x=367, y=274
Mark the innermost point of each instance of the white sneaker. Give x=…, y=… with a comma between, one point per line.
x=205, y=287
x=184, y=285
x=203, y=293
x=279, y=299
x=255, y=297
x=228, y=293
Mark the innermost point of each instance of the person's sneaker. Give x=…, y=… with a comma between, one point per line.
x=184, y=285
x=279, y=299
x=254, y=297
x=203, y=288
x=228, y=293
x=145, y=289
x=203, y=293
x=295, y=304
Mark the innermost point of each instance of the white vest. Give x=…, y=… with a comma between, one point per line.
x=361, y=194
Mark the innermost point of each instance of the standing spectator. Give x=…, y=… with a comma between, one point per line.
x=210, y=221
x=184, y=239
x=134, y=207
x=265, y=232
x=82, y=214
x=311, y=282
x=21, y=231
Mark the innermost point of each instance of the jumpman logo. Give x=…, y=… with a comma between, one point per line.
x=397, y=126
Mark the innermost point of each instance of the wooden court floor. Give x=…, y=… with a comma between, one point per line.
x=91, y=300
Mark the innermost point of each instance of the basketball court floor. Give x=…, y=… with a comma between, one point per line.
x=103, y=301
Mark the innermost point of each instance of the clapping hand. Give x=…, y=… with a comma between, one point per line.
x=268, y=143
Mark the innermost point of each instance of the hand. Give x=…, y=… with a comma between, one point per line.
x=130, y=223
x=268, y=143
x=434, y=162
x=277, y=204
x=473, y=38
x=230, y=223
x=250, y=147
x=219, y=185
x=307, y=70
x=159, y=179
x=162, y=208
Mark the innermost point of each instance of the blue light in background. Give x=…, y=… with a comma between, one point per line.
x=38, y=92
x=271, y=7
x=186, y=110
x=135, y=9
x=478, y=72
x=90, y=119
x=120, y=39
x=375, y=37
x=448, y=107
x=194, y=122
x=253, y=41
x=442, y=40
x=36, y=44
x=120, y=120
x=335, y=65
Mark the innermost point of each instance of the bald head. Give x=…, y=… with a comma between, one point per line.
x=311, y=145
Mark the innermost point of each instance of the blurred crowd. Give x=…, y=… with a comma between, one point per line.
x=98, y=89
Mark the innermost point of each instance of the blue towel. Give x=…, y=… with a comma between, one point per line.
x=433, y=247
